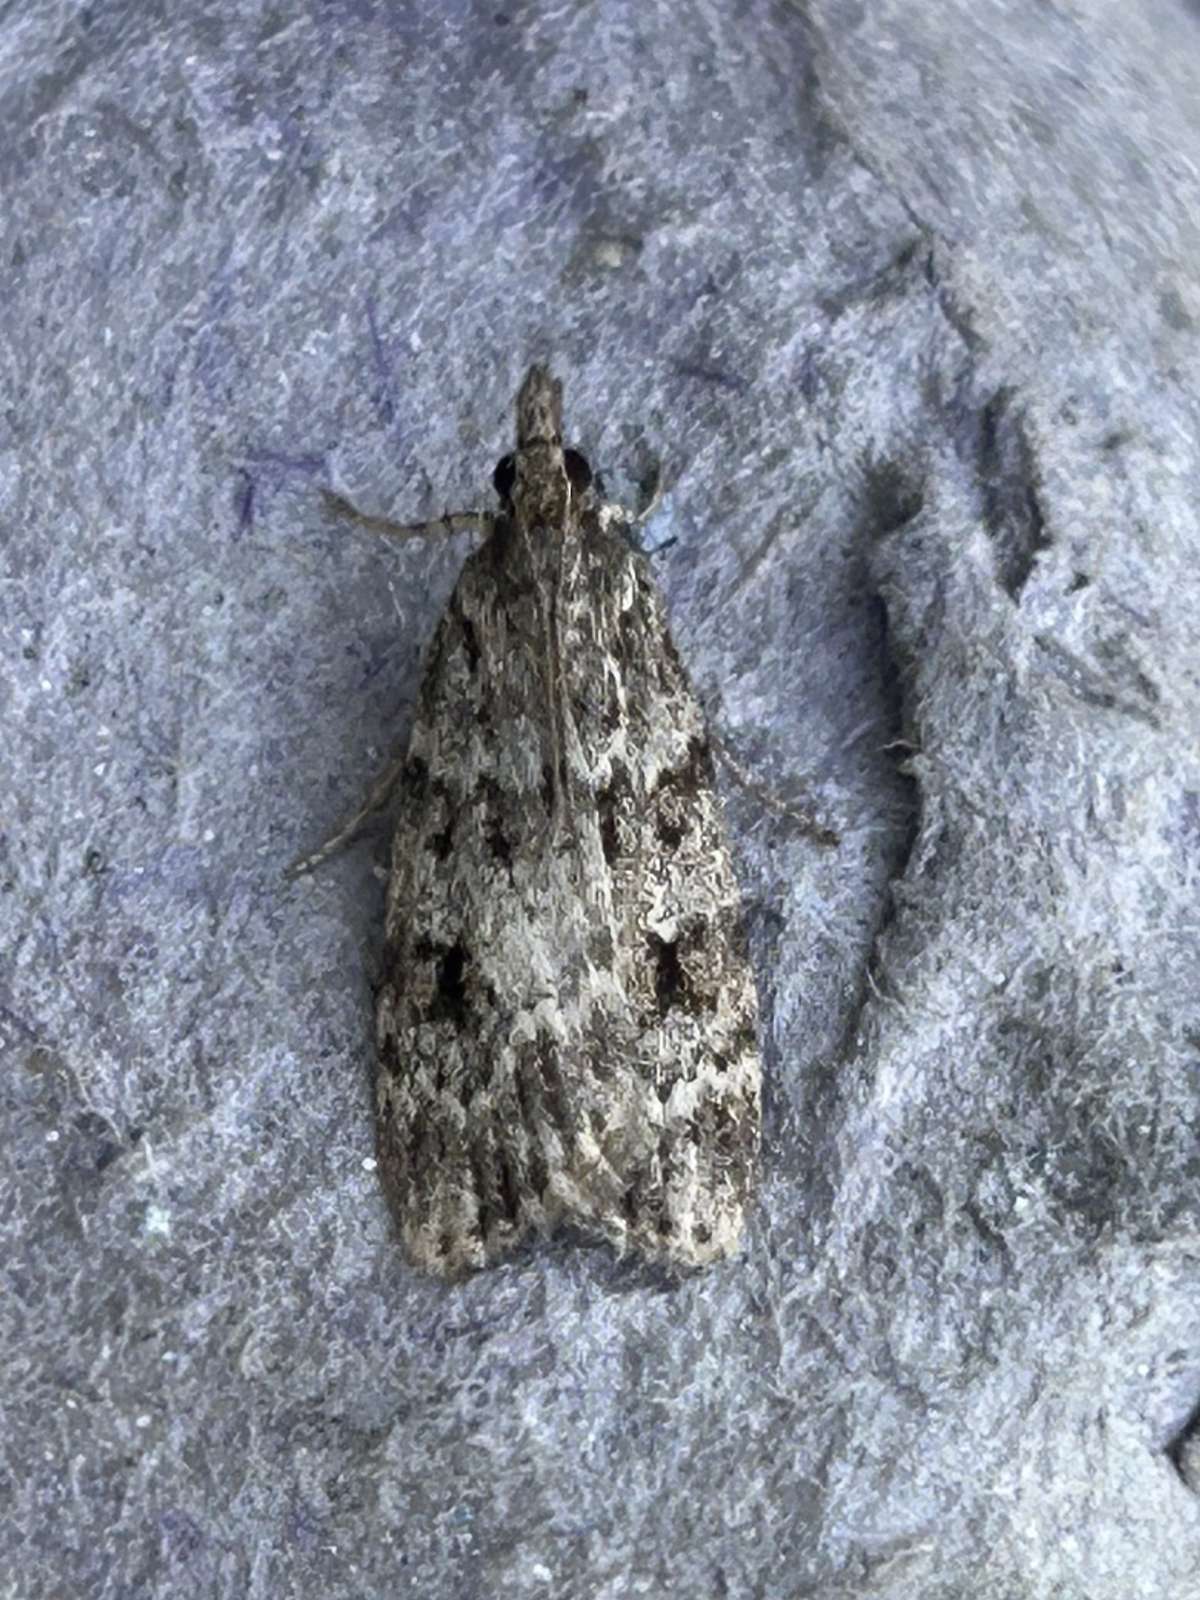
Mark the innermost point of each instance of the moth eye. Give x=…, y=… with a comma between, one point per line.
x=505, y=476
x=578, y=471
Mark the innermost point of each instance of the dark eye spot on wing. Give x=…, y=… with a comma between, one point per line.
x=668, y=974
x=686, y=970
x=449, y=1002
x=442, y=843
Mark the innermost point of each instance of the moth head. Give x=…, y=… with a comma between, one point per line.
x=504, y=478
x=530, y=471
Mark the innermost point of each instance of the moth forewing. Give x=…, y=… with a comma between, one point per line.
x=567, y=1020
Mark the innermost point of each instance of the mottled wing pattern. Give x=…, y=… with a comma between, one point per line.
x=567, y=1025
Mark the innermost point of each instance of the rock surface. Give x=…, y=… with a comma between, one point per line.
x=905, y=301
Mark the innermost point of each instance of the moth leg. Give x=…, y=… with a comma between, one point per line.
x=805, y=821
x=378, y=796
x=448, y=522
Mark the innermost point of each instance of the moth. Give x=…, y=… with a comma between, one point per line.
x=567, y=1022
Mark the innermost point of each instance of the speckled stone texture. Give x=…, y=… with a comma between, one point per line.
x=905, y=299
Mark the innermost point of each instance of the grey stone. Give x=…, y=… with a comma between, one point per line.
x=905, y=300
